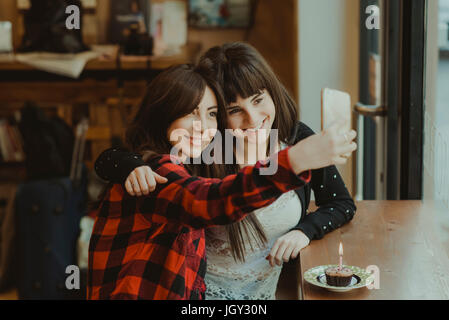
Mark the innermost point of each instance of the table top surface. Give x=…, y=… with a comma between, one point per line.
x=407, y=240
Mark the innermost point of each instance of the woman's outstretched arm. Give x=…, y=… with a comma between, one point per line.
x=121, y=166
x=201, y=202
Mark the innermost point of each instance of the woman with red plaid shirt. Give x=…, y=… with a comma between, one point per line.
x=153, y=247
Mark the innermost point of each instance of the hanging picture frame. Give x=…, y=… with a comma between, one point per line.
x=221, y=13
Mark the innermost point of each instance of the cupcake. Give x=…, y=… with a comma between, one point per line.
x=338, y=278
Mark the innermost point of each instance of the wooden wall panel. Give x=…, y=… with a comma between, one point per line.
x=275, y=35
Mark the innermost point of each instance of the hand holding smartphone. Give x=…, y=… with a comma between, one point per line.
x=336, y=107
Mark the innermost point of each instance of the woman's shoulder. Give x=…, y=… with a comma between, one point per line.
x=300, y=132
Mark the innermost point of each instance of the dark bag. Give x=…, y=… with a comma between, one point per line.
x=48, y=144
x=48, y=214
x=45, y=28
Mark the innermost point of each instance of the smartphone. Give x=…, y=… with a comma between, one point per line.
x=335, y=106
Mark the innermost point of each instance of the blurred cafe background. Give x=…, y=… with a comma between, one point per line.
x=68, y=94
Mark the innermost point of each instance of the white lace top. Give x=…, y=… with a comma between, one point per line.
x=255, y=279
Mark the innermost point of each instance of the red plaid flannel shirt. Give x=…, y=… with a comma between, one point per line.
x=153, y=247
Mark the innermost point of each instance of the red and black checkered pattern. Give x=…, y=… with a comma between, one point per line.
x=153, y=247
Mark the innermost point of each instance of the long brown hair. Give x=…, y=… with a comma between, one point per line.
x=242, y=71
x=174, y=93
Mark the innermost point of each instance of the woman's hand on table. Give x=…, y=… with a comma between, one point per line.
x=142, y=180
x=287, y=247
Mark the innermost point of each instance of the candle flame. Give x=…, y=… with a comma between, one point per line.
x=340, y=249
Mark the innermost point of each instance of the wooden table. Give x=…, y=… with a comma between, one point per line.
x=407, y=240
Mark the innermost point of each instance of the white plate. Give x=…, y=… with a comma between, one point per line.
x=317, y=277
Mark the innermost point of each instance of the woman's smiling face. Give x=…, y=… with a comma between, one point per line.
x=192, y=133
x=251, y=115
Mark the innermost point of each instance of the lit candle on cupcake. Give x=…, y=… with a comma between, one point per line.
x=340, y=252
x=339, y=276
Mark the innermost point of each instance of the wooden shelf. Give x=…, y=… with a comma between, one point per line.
x=97, y=83
x=186, y=55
